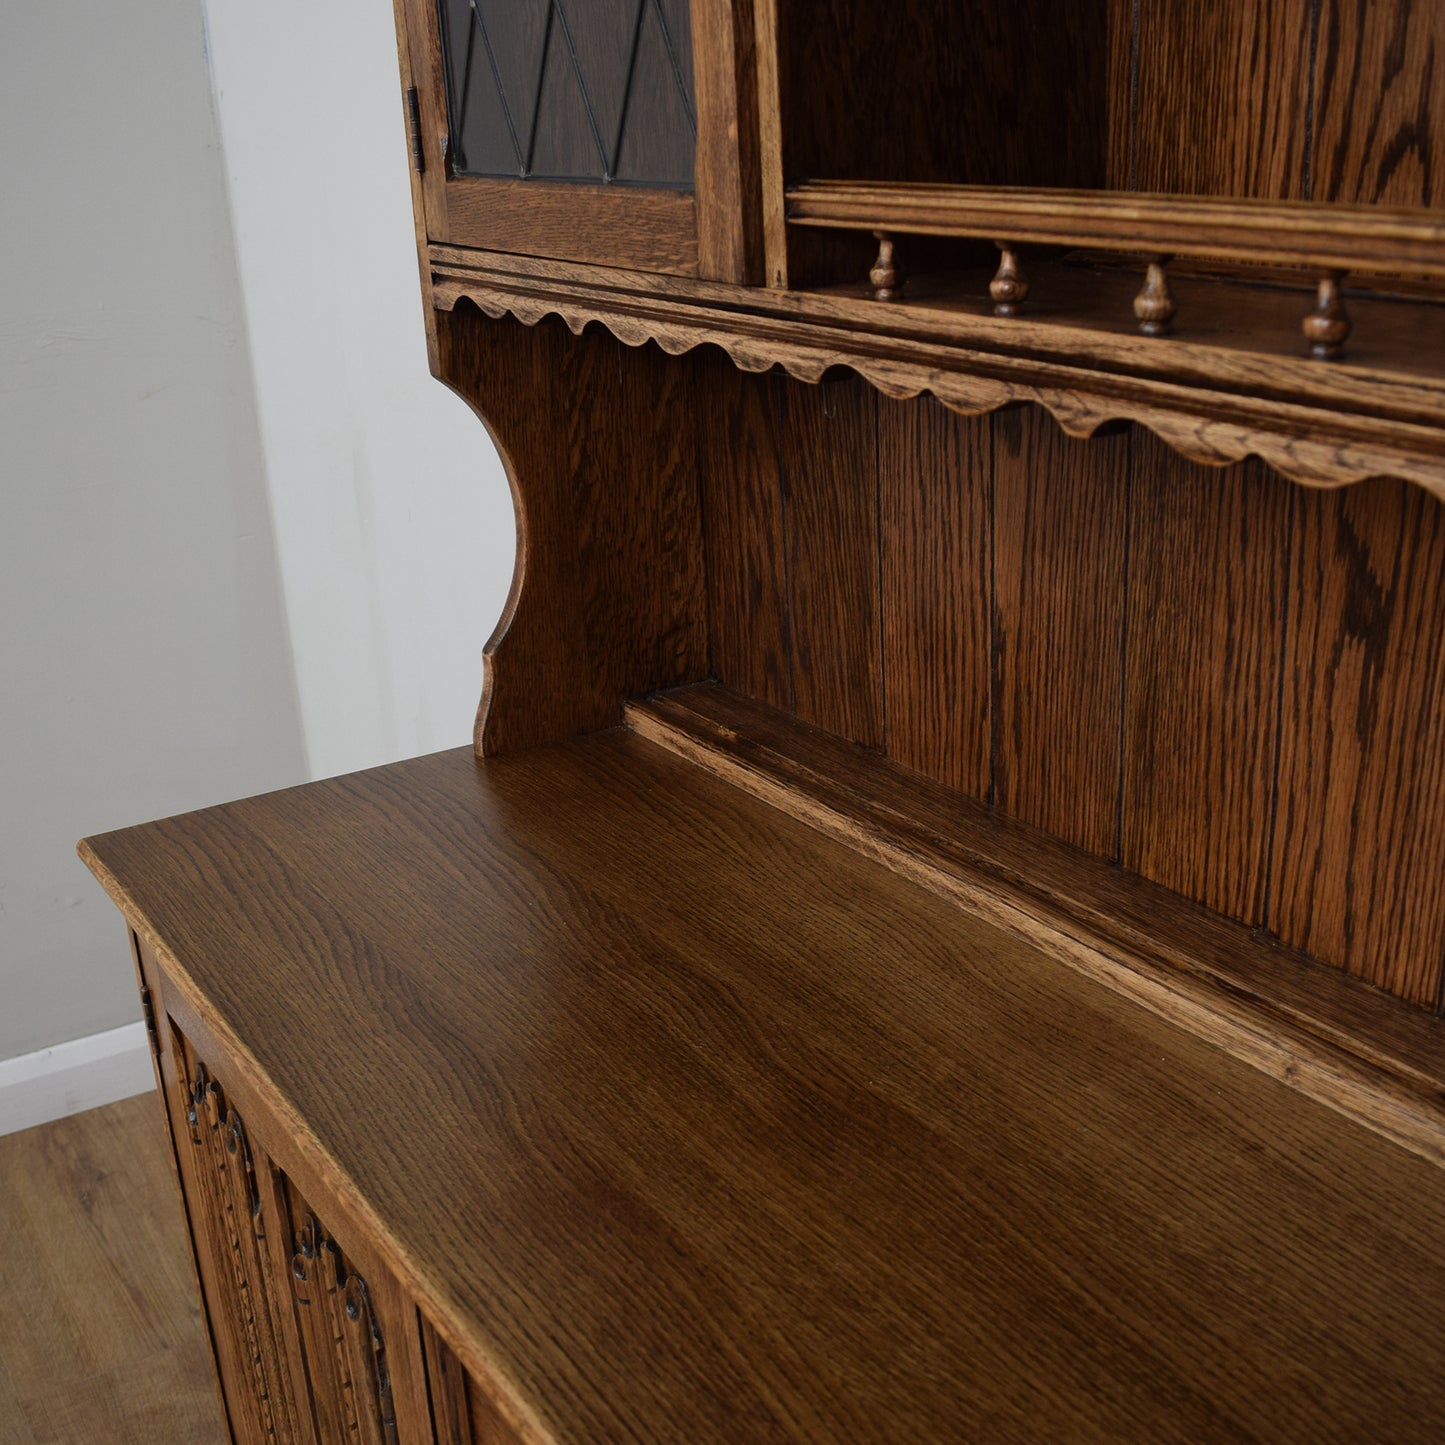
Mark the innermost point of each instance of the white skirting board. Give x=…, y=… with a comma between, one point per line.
x=71, y=1077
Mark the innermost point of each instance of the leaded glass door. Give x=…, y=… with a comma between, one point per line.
x=610, y=132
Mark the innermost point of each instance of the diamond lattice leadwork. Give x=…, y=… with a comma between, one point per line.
x=587, y=90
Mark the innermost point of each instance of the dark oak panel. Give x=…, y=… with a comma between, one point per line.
x=1208, y=559
x=1380, y=102
x=1138, y=720
x=743, y=507
x=829, y=435
x=462, y=1412
x=1059, y=547
x=935, y=482
x=1220, y=97
x=608, y=225
x=1361, y=828
x=1018, y=112
x=610, y=600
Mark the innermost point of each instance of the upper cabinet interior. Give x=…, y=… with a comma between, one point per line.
x=1298, y=132
x=1325, y=100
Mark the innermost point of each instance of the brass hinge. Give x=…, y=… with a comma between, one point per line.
x=413, y=130
x=148, y=1009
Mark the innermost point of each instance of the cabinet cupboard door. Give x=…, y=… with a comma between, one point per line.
x=241, y=1257
x=462, y=1412
x=574, y=129
x=302, y=1346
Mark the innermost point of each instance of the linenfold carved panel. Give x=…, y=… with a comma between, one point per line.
x=341, y=1338
x=301, y=1351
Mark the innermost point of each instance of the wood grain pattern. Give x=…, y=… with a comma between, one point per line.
x=462, y=1414
x=1362, y=777
x=1208, y=565
x=632, y=226
x=729, y=162
x=935, y=480
x=1120, y=140
x=1060, y=521
x=1358, y=237
x=787, y=1117
x=1380, y=102
x=738, y=456
x=609, y=600
x=101, y=1334
x=770, y=143
x=830, y=467
x=1342, y=1042
x=1019, y=113
x=1199, y=808
x=1222, y=102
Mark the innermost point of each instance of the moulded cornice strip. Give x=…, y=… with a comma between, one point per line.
x=1369, y=238
x=1310, y=444
x=1344, y=387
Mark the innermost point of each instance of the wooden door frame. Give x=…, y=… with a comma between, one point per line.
x=713, y=231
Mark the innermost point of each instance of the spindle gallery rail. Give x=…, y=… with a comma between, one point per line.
x=1329, y=241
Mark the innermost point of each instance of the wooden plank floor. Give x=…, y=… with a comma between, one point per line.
x=101, y=1333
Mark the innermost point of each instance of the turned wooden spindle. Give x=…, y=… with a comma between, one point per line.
x=1009, y=287
x=886, y=275
x=1154, y=305
x=1327, y=327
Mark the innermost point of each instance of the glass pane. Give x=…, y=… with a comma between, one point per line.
x=582, y=90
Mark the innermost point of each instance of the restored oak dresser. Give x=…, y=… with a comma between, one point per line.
x=942, y=933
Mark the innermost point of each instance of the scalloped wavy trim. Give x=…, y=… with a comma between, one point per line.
x=1311, y=463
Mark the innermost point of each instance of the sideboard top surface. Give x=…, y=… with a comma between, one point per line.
x=693, y=1123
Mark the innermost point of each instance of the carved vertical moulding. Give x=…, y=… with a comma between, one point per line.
x=229, y=1226
x=341, y=1340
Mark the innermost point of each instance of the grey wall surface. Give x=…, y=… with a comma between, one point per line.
x=394, y=526
x=145, y=665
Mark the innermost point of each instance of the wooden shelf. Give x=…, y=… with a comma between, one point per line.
x=682, y=1119
x=1232, y=383
x=1370, y=238
x=1310, y=1026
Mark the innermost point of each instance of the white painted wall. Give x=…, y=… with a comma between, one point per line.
x=245, y=537
x=394, y=524
x=144, y=665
